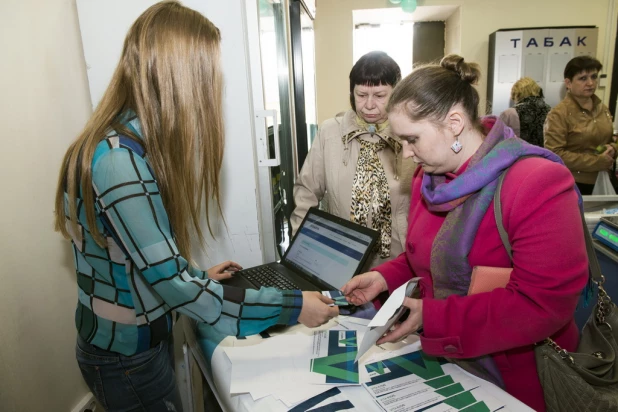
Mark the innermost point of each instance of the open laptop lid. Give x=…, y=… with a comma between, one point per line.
x=329, y=248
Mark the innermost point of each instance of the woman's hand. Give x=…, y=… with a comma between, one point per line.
x=315, y=311
x=609, y=154
x=223, y=270
x=364, y=288
x=410, y=325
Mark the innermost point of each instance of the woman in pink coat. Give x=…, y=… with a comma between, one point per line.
x=452, y=228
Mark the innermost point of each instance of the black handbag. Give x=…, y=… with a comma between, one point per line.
x=585, y=380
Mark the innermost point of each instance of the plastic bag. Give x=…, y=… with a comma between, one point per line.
x=603, y=185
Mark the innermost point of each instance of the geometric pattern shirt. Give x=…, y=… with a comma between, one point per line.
x=128, y=290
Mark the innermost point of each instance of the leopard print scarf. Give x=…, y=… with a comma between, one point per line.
x=370, y=188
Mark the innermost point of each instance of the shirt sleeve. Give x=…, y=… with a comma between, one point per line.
x=310, y=186
x=396, y=272
x=556, y=132
x=128, y=195
x=550, y=269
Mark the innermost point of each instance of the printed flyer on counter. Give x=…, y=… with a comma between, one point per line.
x=333, y=356
x=399, y=372
x=418, y=382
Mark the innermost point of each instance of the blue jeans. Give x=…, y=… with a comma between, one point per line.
x=143, y=382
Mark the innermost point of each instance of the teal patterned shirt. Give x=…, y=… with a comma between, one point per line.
x=127, y=291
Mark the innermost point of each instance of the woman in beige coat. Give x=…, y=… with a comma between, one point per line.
x=354, y=166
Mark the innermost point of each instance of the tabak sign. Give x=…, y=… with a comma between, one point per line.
x=551, y=41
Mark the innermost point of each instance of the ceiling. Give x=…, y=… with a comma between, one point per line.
x=395, y=14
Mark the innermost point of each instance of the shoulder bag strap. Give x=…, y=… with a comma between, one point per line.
x=593, y=263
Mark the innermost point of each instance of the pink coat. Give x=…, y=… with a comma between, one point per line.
x=541, y=217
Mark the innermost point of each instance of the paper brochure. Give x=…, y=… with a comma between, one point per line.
x=390, y=382
x=475, y=400
x=386, y=316
x=334, y=352
x=414, y=398
x=410, y=381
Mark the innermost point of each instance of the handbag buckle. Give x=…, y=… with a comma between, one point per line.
x=561, y=352
x=599, y=282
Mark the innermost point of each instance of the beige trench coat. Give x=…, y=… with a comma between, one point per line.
x=325, y=177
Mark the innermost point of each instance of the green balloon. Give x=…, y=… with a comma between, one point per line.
x=408, y=6
x=395, y=1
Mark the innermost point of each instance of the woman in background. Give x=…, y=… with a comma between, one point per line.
x=129, y=197
x=579, y=129
x=354, y=163
x=526, y=118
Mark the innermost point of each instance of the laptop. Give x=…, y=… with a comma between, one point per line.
x=323, y=256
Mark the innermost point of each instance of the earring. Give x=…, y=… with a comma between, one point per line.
x=456, y=147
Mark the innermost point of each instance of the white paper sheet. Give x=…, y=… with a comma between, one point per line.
x=394, y=302
x=287, y=366
x=386, y=316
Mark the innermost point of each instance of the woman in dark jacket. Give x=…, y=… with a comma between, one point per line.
x=526, y=118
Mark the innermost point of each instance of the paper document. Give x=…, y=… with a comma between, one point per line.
x=273, y=362
x=414, y=398
x=335, y=351
x=401, y=372
x=411, y=381
x=386, y=316
x=475, y=400
x=422, y=387
x=325, y=357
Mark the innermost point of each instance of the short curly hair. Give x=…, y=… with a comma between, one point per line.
x=525, y=87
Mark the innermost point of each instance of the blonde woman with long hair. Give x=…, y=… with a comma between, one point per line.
x=129, y=197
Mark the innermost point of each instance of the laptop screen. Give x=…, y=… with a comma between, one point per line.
x=327, y=250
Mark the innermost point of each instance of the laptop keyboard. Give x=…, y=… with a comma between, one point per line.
x=268, y=277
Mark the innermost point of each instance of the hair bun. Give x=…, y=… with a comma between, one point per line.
x=468, y=72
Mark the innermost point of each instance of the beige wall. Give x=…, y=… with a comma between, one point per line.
x=43, y=104
x=479, y=18
x=333, y=52
x=452, y=30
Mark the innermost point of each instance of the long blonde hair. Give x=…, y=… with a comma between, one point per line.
x=169, y=75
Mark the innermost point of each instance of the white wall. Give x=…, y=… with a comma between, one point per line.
x=478, y=19
x=44, y=103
